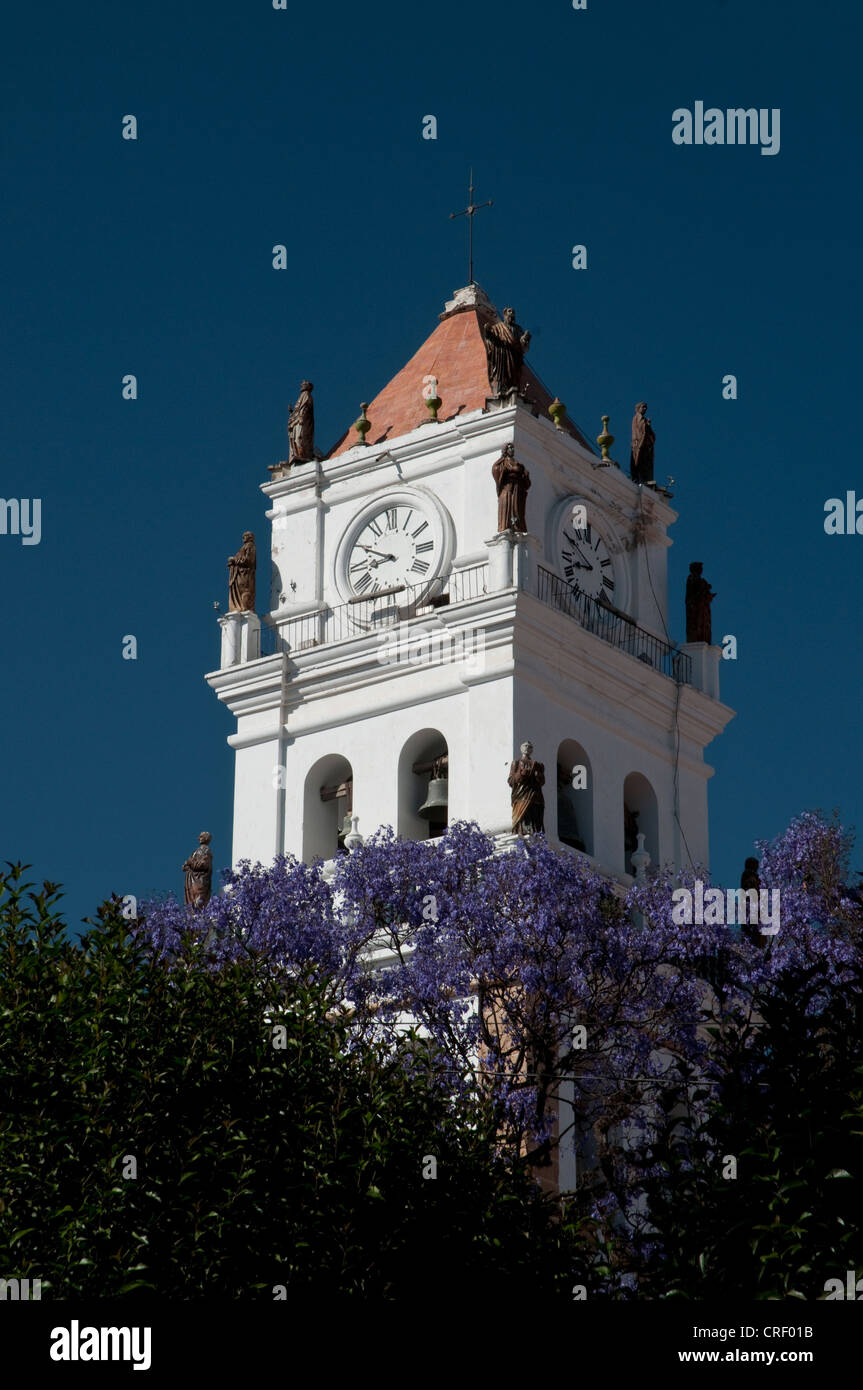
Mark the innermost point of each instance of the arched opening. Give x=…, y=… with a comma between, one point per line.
x=423, y=786
x=640, y=814
x=574, y=796
x=327, y=807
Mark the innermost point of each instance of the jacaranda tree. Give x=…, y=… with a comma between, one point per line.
x=539, y=980
x=754, y=1181
x=440, y=998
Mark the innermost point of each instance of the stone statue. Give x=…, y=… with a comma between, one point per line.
x=241, y=577
x=630, y=829
x=198, y=869
x=750, y=879
x=699, y=597
x=301, y=426
x=567, y=825
x=527, y=779
x=512, y=480
x=643, y=440
x=505, y=346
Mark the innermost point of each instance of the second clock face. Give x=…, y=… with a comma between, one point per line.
x=586, y=563
x=396, y=546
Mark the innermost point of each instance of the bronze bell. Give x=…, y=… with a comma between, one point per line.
x=435, y=805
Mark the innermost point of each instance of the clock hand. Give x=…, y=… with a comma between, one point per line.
x=376, y=552
x=574, y=543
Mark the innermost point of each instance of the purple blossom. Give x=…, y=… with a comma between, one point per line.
x=498, y=958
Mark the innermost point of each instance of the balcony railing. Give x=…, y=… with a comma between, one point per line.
x=371, y=615
x=614, y=627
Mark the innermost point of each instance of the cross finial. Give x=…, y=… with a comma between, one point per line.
x=468, y=212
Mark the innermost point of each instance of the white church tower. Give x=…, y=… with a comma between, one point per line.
x=411, y=648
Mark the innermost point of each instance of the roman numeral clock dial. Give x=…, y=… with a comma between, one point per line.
x=586, y=563
x=395, y=547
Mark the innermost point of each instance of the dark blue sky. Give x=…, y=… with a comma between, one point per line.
x=303, y=126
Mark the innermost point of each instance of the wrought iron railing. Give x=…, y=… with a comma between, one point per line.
x=371, y=615
x=614, y=627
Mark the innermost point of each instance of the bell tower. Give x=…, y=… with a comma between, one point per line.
x=460, y=574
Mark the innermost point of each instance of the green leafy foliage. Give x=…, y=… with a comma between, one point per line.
x=256, y=1165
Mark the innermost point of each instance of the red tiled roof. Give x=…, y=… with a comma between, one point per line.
x=455, y=354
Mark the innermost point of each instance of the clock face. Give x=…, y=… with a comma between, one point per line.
x=397, y=545
x=586, y=563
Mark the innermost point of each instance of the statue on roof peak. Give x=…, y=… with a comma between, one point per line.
x=505, y=346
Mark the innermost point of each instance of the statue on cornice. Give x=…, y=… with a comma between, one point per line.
x=699, y=597
x=512, y=481
x=301, y=426
x=505, y=346
x=643, y=440
x=241, y=576
x=527, y=778
x=750, y=879
x=198, y=869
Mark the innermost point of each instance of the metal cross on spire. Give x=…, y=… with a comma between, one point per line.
x=468, y=212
